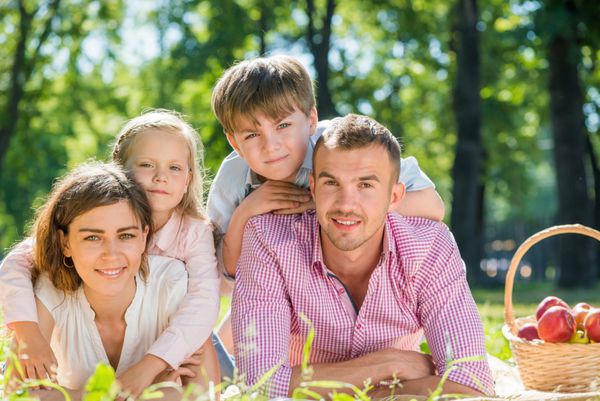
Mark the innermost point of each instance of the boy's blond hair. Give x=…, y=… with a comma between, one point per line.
x=172, y=122
x=273, y=86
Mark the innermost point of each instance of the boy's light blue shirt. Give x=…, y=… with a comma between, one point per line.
x=235, y=180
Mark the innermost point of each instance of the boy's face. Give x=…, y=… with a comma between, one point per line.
x=275, y=150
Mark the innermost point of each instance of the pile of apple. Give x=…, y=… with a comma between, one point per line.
x=558, y=323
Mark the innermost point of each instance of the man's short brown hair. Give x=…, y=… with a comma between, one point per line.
x=354, y=132
x=273, y=86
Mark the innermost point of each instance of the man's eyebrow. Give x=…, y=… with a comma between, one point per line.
x=371, y=177
x=325, y=174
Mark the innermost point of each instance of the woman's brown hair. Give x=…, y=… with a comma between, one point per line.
x=86, y=187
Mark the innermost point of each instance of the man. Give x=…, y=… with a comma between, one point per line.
x=371, y=282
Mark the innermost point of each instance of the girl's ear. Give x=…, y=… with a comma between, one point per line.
x=64, y=243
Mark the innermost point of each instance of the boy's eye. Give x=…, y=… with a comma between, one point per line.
x=283, y=125
x=365, y=185
x=330, y=182
x=250, y=135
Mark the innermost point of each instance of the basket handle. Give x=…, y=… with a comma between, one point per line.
x=529, y=242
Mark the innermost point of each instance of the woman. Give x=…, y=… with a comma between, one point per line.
x=99, y=297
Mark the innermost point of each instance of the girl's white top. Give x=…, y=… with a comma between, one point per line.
x=76, y=342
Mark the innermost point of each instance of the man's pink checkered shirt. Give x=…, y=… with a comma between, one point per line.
x=419, y=287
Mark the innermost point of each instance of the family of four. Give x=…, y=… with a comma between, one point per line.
x=313, y=221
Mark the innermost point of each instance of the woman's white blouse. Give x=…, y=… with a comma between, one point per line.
x=76, y=342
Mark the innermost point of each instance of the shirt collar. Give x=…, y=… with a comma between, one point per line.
x=165, y=237
x=388, y=251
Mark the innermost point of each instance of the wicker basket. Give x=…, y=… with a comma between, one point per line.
x=550, y=366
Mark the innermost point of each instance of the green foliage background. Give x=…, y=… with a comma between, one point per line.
x=106, y=61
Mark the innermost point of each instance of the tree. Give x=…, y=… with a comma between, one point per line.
x=467, y=199
x=570, y=148
x=34, y=28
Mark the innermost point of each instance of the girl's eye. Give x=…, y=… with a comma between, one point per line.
x=92, y=238
x=145, y=165
x=176, y=168
x=283, y=125
x=127, y=236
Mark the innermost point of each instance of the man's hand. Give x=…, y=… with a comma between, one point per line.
x=411, y=365
x=135, y=379
x=34, y=352
x=274, y=196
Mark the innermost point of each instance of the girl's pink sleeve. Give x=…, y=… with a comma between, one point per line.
x=193, y=322
x=16, y=290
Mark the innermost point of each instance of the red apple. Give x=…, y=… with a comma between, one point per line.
x=529, y=332
x=549, y=302
x=592, y=324
x=580, y=311
x=556, y=325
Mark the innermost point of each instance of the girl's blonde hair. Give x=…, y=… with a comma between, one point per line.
x=87, y=187
x=173, y=122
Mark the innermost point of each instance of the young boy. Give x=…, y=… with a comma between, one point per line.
x=267, y=109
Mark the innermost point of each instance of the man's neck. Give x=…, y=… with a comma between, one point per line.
x=357, y=264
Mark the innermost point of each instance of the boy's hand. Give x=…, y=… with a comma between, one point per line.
x=310, y=205
x=34, y=352
x=274, y=196
x=135, y=379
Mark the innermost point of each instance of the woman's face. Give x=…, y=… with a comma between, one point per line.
x=106, y=244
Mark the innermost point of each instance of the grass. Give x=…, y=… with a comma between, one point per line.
x=490, y=303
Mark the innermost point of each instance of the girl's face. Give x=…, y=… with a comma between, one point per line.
x=106, y=244
x=159, y=161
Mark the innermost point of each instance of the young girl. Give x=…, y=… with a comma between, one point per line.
x=99, y=297
x=163, y=153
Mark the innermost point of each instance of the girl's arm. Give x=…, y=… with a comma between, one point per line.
x=23, y=351
x=19, y=307
x=194, y=317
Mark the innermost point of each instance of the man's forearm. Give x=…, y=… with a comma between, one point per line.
x=425, y=386
x=377, y=366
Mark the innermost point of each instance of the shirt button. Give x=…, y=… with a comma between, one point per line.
x=341, y=291
x=359, y=326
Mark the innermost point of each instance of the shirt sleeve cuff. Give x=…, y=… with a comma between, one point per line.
x=279, y=385
x=22, y=311
x=170, y=348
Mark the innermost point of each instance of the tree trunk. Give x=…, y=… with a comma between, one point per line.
x=566, y=108
x=319, y=44
x=466, y=172
x=21, y=70
x=596, y=202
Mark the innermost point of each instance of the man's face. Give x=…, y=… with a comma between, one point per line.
x=353, y=191
x=275, y=150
